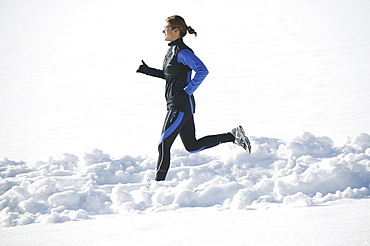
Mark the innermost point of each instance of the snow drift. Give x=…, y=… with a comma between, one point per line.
x=305, y=171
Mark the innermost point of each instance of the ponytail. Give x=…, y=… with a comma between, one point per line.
x=192, y=31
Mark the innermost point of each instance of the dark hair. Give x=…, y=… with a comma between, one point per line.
x=179, y=22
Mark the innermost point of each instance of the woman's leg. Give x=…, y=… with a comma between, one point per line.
x=171, y=128
x=187, y=134
x=179, y=122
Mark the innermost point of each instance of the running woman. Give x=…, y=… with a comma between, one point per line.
x=178, y=65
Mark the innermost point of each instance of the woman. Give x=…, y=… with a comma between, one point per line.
x=180, y=86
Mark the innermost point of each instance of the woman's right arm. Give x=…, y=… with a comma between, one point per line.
x=150, y=71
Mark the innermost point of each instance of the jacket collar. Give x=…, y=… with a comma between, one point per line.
x=176, y=42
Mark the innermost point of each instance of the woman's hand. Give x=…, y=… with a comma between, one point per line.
x=143, y=68
x=150, y=71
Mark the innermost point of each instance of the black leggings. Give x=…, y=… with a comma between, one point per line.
x=182, y=123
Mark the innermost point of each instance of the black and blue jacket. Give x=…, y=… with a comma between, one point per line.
x=178, y=65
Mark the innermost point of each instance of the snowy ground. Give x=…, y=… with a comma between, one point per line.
x=295, y=74
x=331, y=224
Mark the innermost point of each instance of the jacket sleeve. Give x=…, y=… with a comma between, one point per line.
x=189, y=59
x=155, y=73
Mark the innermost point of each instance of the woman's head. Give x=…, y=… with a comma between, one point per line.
x=176, y=26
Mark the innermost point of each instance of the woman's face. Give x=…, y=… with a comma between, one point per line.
x=170, y=33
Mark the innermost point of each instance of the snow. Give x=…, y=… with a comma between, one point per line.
x=271, y=184
x=332, y=224
x=294, y=74
x=306, y=171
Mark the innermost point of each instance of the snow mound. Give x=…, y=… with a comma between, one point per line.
x=305, y=171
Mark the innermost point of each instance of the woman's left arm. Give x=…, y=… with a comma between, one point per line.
x=188, y=58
